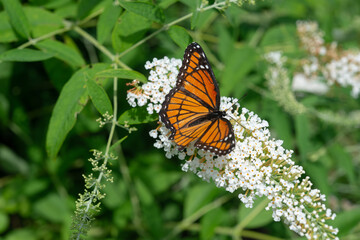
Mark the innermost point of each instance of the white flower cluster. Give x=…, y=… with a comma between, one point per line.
x=325, y=64
x=162, y=78
x=345, y=71
x=259, y=166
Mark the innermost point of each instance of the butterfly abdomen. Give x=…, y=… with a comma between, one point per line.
x=191, y=109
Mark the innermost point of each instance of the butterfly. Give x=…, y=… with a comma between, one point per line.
x=191, y=110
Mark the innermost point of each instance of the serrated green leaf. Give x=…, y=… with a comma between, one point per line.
x=42, y=21
x=238, y=65
x=145, y=10
x=85, y=7
x=17, y=17
x=70, y=103
x=180, y=36
x=122, y=74
x=99, y=97
x=24, y=55
x=62, y=52
x=137, y=115
x=106, y=22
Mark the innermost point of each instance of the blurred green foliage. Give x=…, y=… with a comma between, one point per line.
x=40, y=181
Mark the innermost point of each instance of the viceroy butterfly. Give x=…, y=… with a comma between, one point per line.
x=191, y=109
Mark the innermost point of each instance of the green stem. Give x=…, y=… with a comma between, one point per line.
x=133, y=196
x=107, y=156
x=191, y=219
x=48, y=35
x=195, y=227
x=99, y=46
x=237, y=231
x=166, y=26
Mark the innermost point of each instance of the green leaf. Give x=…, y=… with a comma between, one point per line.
x=116, y=194
x=62, y=52
x=319, y=176
x=6, y=32
x=58, y=72
x=22, y=233
x=4, y=221
x=197, y=197
x=42, y=21
x=302, y=127
x=280, y=121
x=52, y=207
x=210, y=221
x=347, y=220
x=180, y=36
x=195, y=19
x=12, y=163
x=117, y=143
x=137, y=115
x=25, y=55
x=131, y=23
x=259, y=218
x=194, y=6
x=122, y=74
x=85, y=7
x=343, y=160
x=144, y=193
x=99, y=97
x=281, y=37
x=106, y=22
x=17, y=17
x=146, y=10
x=72, y=99
x=238, y=65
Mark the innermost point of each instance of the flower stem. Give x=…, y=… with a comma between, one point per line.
x=239, y=228
x=191, y=219
x=99, y=46
x=166, y=27
x=94, y=192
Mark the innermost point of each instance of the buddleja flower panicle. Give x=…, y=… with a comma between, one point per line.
x=88, y=203
x=325, y=64
x=259, y=165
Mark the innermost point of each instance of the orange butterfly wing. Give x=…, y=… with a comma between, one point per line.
x=191, y=109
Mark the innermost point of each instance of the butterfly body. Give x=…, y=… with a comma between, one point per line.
x=191, y=110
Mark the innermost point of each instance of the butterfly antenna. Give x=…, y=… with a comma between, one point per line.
x=244, y=96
